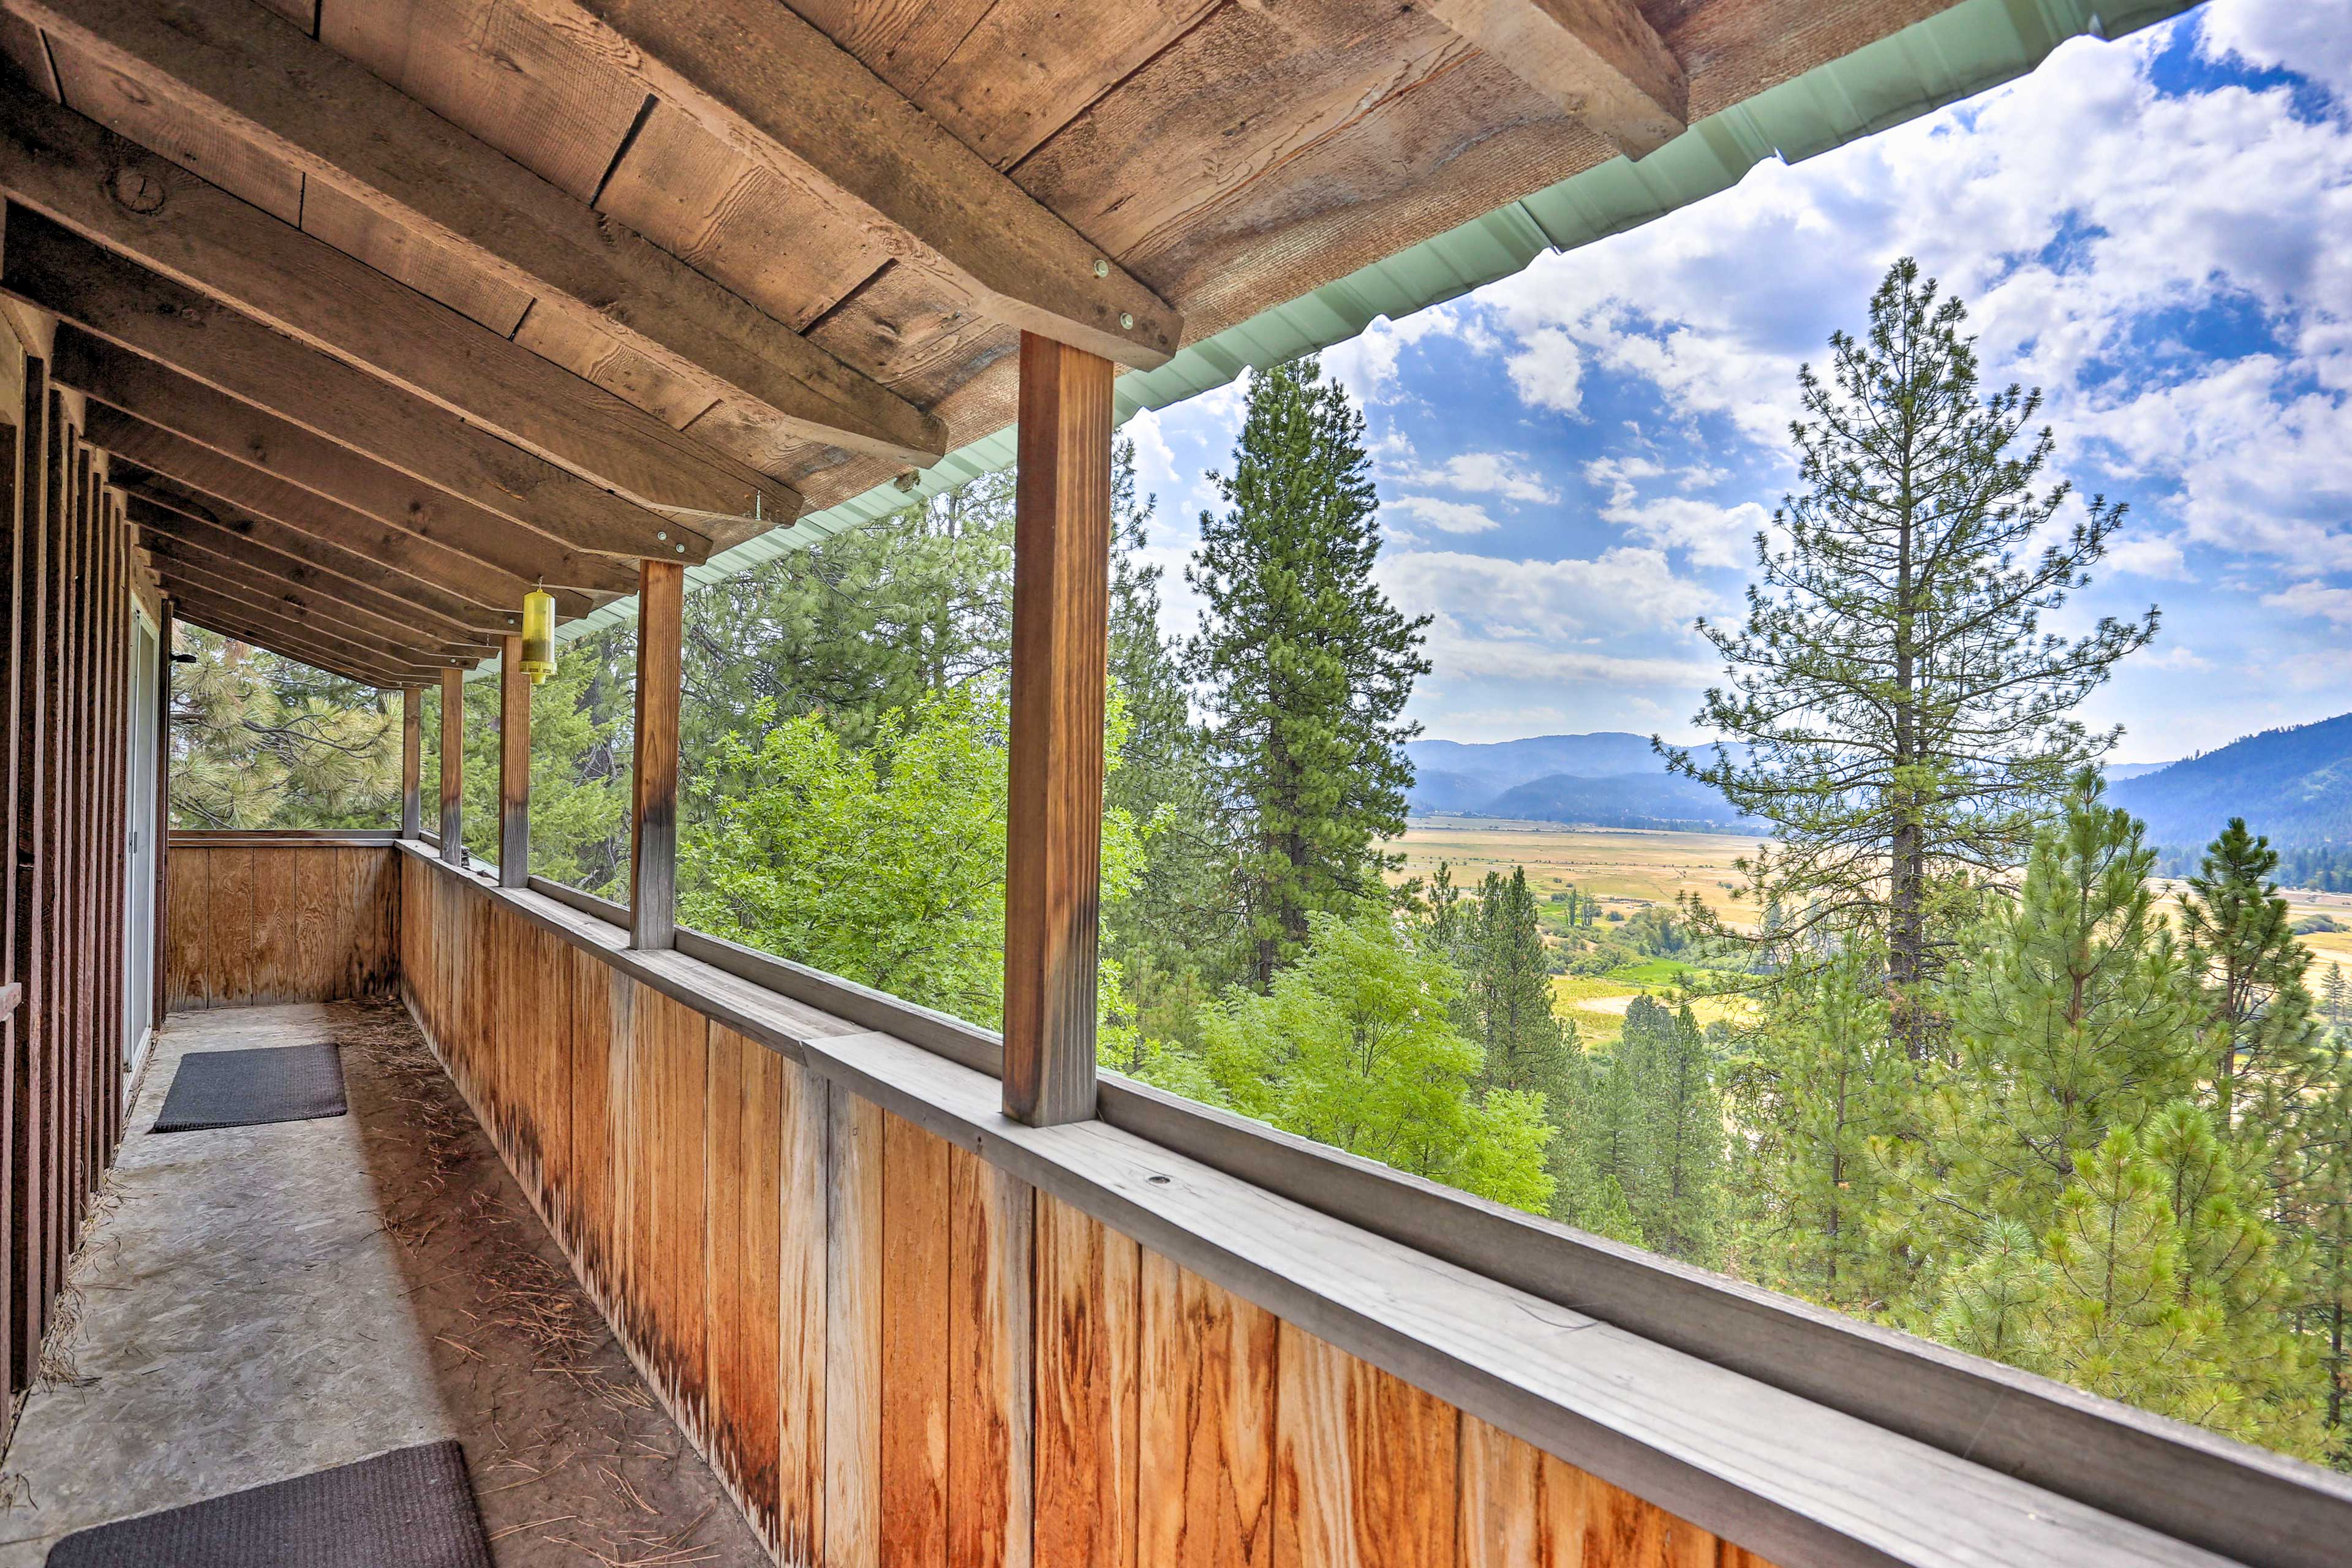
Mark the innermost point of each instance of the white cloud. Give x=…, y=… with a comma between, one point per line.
x=1623, y=591
x=2307, y=37
x=1481, y=473
x=1447, y=516
x=2148, y=555
x=1549, y=370
x=2180, y=657
x=2314, y=599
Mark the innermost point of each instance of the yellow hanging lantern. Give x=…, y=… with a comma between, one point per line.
x=538, y=635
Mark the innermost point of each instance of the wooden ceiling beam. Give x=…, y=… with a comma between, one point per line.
x=223, y=555
x=326, y=624
x=114, y=192
x=164, y=399
x=232, y=619
x=1598, y=60
x=385, y=594
x=780, y=91
x=115, y=297
x=166, y=504
x=250, y=491
x=226, y=65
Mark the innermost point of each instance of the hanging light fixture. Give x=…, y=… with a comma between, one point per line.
x=538, y=635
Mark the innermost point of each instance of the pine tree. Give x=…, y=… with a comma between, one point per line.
x=1678, y=1132
x=259, y=740
x=1511, y=991
x=2256, y=1012
x=2071, y=1023
x=1900, y=714
x=1304, y=668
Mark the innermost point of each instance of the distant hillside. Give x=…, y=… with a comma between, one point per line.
x=1609, y=779
x=1651, y=800
x=2293, y=784
x=2117, y=772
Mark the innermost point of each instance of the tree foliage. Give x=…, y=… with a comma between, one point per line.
x=259, y=740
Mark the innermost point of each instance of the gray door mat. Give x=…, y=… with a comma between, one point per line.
x=244, y=1089
x=412, y=1507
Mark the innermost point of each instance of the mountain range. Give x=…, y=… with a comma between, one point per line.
x=1609, y=779
x=2293, y=783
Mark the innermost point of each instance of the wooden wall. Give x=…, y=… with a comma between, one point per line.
x=250, y=919
x=898, y=1355
x=66, y=581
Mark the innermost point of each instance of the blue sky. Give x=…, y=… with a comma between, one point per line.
x=2158, y=232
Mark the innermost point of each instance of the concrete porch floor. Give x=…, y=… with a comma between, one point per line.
x=256, y=1303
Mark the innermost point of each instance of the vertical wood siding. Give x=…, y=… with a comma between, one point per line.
x=900, y=1357
x=275, y=920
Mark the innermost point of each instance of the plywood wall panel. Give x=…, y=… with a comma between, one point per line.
x=1206, y=1424
x=1364, y=1464
x=250, y=924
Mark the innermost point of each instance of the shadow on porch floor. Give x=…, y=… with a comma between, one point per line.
x=255, y=1303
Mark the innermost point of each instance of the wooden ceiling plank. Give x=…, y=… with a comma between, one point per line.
x=781, y=91
x=233, y=617
x=373, y=146
x=325, y=623
x=79, y=173
x=281, y=450
x=56, y=270
x=1598, y=60
x=200, y=615
x=389, y=593
x=250, y=491
x=217, y=552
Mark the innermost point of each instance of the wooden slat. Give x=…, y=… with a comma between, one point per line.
x=1364, y=1464
x=1598, y=60
x=916, y=1221
x=653, y=780
x=453, y=761
x=277, y=912
x=773, y=85
x=802, y=1312
x=990, y=1408
x=383, y=153
x=166, y=633
x=299, y=639
x=347, y=616
x=412, y=761
x=214, y=617
x=670, y=1057
x=188, y=931
x=79, y=174
x=164, y=532
x=116, y=298
x=1061, y=556
x=1206, y=1428
x=514, y=766
x=467, y=542
x=29, y=941
x=855, y=1253
x=228, y=949
x=1089, y=1326
x=744, y=1158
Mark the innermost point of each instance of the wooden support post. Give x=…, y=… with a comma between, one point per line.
x=164, y=632
x=514, y=766
x=453, y=759
x=412, y=761
x=653, y=820
x=1061, y=595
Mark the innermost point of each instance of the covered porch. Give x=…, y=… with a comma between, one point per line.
x=339, y=329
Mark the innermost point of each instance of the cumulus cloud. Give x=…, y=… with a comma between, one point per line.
x=1619, y=591
x=2314, y=599
x=1506, y=474
x=1549, y=370
x=1447, y=516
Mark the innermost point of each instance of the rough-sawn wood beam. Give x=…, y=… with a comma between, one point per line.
x=79, y=173
x=229, y=65
x=780, y=91
x=1598, y=60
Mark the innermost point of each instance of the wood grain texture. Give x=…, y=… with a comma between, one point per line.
x=804, y=1117
x=412, y=761
x=281, y=921
x=1364, y=1464
x=992, y=1350
x=514, y=766
x=917, y=1216
x=1598, y=60
x=1053, y=857
x=115, y=297
x=182, y=228
x=668, y=1086
x=743, y=1157
x=453, y=762
x=653, y=781
x=1089, y=1320
x=1205, y=1427
x=854, y=1250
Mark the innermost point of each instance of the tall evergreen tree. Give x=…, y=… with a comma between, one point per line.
x=2256, y=1012
x=1511, y=991
x=1678, y=1132
x=258, y=741
x=1901, y=716
x=1304, y=666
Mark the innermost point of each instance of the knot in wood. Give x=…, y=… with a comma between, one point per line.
x=135, y=190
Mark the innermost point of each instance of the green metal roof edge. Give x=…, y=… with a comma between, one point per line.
x=1953, y=55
